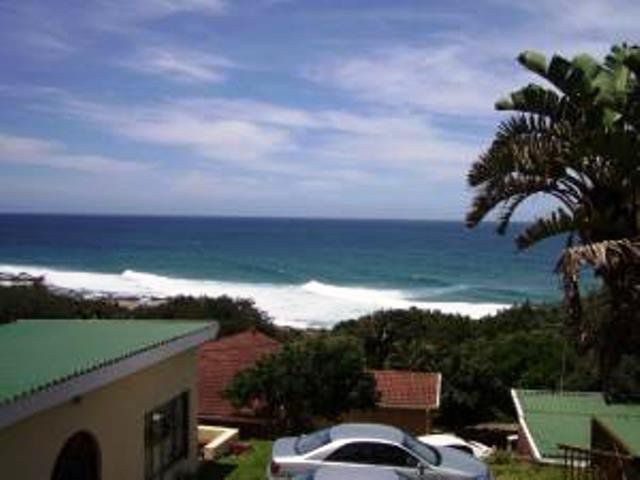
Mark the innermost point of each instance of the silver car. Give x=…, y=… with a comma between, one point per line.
x=356, y=446
x=347, y=473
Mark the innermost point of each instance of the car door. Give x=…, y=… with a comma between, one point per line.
x=351, y=455
x=392, y=456
x=378, y=455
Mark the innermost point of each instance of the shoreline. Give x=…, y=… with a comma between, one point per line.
x=311, y=304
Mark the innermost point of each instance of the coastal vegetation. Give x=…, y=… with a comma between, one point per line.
x=319, y=377
x=576, y=141
x=38, y=301
x=526, y=346
x=480, y=360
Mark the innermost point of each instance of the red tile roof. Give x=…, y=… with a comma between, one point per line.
x=403, y=389
x=219, y=361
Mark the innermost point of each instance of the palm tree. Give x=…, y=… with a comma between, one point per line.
x=576, y=141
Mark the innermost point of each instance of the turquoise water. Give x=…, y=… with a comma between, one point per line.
x=296, y=269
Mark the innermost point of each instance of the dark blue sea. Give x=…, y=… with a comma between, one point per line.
x=300, y=271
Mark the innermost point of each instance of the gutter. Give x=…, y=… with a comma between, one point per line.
x=525, y=429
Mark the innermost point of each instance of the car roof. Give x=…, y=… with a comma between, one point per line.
x=371, y=431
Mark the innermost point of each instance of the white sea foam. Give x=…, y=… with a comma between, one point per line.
x=310, y=304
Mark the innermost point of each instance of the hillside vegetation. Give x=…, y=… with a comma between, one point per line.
x=526, y=346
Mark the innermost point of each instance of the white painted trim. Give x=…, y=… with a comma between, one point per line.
x=525, y=429
x=438, y=390
x=76, y=386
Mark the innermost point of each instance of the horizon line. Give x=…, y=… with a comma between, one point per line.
x=246, y=217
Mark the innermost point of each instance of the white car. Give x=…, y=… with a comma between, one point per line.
x=476, y=449
x=385, y=450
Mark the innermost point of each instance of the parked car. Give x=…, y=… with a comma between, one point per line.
x=477, y=449
x=342, y=473
x=354, y=446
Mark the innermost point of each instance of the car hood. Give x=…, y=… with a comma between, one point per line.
x=285, y=447
x=461, y=462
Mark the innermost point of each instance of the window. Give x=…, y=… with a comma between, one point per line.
x=351, y=453
x=393, y=456
x=423, y=451
x=166, y=436
x=372, y=453
x=307, y=443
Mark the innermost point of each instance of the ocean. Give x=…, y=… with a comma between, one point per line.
x=302, y=272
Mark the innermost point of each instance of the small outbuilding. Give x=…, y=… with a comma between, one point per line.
x=218, y=363
x=582, y=421
x=407, y=400
x=99, y=399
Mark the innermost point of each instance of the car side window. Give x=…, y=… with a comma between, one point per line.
x=357, y=452
x=371, y=453
x=393, y=456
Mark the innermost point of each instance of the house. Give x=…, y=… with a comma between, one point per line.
x=218, y=363
x=408, y=400
x=549, y=419
x=99, y=399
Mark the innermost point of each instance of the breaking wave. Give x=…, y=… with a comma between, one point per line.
x=309, y=304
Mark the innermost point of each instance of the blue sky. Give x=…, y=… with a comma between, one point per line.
x=344, y=108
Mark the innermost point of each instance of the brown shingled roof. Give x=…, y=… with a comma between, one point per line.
x=404, y=389
x=218, y=363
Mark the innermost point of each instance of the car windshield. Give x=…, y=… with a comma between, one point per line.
x=307, y=443
x=425, y=452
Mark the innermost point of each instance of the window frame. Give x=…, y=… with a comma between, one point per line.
x=166, y=436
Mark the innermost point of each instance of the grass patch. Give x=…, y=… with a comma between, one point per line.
x=508, y=468
x=251, y=465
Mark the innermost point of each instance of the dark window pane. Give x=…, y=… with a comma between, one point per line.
x=166, y=436
x=421, y=450
x=357, y=452
x=307, y=443
x=391, y=455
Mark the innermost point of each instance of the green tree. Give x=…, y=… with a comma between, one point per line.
x=316, y=377
x=576, y=141
x=37, y=301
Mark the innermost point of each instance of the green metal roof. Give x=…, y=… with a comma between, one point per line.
x=553, y=417
x=626, y=428
x=36, y=354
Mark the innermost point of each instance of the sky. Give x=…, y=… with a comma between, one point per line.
x=343, y=108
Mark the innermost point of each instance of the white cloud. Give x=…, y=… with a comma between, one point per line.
x=200, y=131
x=120, y=14
x=453, y=79
x=180, y=64
x=45, y=153
x=462, y=71
x=267, y=137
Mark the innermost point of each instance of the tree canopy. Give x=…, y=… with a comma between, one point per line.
x=575, y=139
x=315, y=377
x=37, y=301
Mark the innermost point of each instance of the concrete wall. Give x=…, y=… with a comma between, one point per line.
x=415, y=421
x=113, y=414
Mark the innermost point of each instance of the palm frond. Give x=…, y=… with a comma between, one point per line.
x=604, y=256
x=556, y=223
x=608, y=258
x=522, y=143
